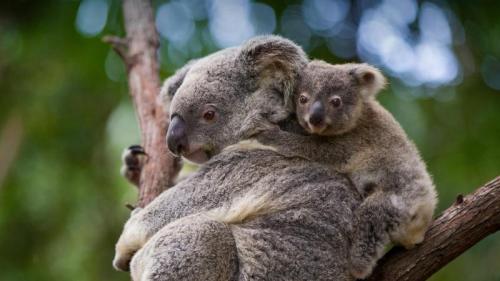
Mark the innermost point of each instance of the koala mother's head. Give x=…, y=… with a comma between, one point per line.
x=214, y=95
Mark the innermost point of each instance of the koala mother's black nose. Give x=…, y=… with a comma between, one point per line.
x=316, y=117
x=176, y=136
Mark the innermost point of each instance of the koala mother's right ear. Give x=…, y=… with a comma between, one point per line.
x=173, y=83
x=275, y=62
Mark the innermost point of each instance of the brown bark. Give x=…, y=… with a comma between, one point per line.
x=461, y=226
x=11, y=137
x=138, y=50
x=458, y=228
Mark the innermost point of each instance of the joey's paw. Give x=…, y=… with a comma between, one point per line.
x=361, y=267
x=267, y=131
x=133, y=160
x=410, y=236
x=255, y=124
x=411, y=241
x=263, y=129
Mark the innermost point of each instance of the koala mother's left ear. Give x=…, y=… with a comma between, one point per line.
x=275, y=62
x=173, y=83
x=370, y=79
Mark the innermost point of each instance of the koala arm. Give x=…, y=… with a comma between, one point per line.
x=399, y=210
x=172, y=204
x=193, y=248
x=386, y=217
x=267, y=111
x=313, y=148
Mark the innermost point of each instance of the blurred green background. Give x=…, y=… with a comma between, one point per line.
x=65, y=114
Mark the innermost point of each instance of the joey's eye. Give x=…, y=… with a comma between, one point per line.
x=303, y=99
x=336, y=101
x=209, y=115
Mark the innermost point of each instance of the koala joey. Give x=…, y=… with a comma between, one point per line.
x=355, y=135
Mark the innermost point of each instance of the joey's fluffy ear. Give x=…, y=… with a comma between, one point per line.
x=275, y=61
x=173, y=83
x=369, y=78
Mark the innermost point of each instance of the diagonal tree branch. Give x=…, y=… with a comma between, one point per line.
x=139, y=53
x=458, y=228
x=462, y=225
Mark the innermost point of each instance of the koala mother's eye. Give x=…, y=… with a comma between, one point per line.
x=303, y=99
x=209, y=115
x=336, y=101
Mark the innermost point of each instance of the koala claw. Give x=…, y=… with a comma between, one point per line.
x=133, y=159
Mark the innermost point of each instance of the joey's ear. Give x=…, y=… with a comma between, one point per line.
x=276, y=62
x=369, y=78
x=173, y=83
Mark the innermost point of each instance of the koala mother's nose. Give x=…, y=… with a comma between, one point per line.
x=176, y=136
x=316, y=114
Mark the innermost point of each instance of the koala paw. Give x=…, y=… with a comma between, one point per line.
x=361, y=268
x=411, y=241
x=133, y=159
x=122, y=263
x=131, y=240
x=256, y=124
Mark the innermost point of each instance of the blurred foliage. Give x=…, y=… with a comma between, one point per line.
x=64, y=104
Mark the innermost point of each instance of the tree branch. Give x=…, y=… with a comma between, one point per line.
x=120, y=45
x=11, y=138
x=462, y=225
x=138, y=51
x=466, y=222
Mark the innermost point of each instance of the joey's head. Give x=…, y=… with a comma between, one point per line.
x=330, y=98
x=212, y=96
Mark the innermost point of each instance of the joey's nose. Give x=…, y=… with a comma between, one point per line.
x=176, y=136
x=317, y=113
x=316, y=120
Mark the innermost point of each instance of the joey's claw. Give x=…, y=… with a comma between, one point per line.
x=133, y=159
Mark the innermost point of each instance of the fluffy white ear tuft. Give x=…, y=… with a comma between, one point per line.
x=369, y=78
x=275, y=61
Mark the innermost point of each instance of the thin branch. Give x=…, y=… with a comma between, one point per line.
x=466, y=222
x=130, y=206
x=120, y=45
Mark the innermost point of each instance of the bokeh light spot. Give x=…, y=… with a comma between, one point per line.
x=91, y=17
x=229, y=22
x=174, y=21
x=294, y=27
x=263, y=18
x=322, y=15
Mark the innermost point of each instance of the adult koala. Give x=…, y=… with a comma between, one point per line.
x=248, y=213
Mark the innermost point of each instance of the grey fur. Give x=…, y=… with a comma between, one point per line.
x=171, y=85
x=362, y=139
x=249, y=213
x=306, y=239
